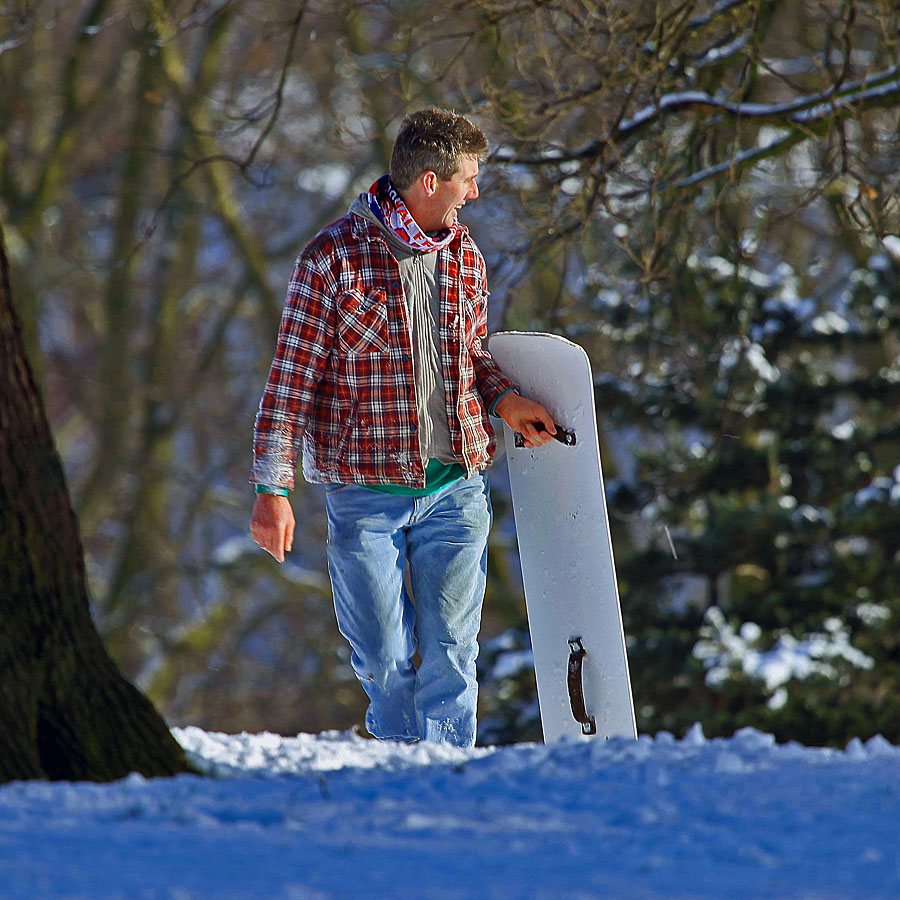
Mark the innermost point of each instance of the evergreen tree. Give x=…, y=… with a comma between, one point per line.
x=764, y=591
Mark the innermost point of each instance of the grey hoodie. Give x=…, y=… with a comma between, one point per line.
x=420, y=289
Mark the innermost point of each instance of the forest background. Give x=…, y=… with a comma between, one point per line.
x=704, y=195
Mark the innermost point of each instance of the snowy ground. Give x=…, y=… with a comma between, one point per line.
x=337, y=816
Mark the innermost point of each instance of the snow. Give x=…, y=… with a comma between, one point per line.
x=736, y=349
x=831, y=322
x=756, y=357
x=873, y=613
x=844, y=431
x=321, y=817
x=716, y=55
x=722, y=649
x=511, y=664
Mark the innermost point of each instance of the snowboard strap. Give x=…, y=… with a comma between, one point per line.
x=577, y=654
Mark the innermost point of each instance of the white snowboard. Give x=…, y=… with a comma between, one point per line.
x=566, y=554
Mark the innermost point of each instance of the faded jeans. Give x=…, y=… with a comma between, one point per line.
x=443, y=538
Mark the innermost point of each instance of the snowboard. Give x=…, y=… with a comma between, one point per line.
x=559, y=505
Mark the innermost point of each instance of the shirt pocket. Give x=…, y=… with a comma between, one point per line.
x=474, y=313
x=363, y=322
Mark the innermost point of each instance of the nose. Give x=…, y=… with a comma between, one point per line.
x=473, y=190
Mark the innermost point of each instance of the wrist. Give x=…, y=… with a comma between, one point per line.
x=495, y=406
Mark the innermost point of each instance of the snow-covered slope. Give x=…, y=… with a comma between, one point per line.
x=338, y=816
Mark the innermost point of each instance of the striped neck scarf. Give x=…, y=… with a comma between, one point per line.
x=388, y=205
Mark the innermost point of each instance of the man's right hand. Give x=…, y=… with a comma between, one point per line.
x=272, y=524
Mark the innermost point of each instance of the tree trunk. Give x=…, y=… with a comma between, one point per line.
x=65, y=710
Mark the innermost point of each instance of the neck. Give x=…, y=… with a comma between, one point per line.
x=415, y=210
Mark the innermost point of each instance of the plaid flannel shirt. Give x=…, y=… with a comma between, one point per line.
x=341, y=380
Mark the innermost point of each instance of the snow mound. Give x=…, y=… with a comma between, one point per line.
x=268, y=755
x=340, y=817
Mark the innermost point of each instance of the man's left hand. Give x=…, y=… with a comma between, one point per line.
x=522, y=415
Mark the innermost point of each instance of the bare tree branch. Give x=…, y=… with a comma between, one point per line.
x=279, y=91
x=803, y=111
x=720, y=9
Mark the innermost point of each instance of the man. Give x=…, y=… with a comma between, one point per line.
x=380, y=373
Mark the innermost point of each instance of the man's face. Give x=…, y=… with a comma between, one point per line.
x=450, y=196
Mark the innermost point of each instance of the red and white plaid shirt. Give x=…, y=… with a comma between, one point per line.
x=342, y=376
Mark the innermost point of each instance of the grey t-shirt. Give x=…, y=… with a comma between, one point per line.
x=417, y=275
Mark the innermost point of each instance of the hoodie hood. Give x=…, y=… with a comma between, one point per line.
x=360, y=207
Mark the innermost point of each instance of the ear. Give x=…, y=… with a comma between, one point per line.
x=429, y=182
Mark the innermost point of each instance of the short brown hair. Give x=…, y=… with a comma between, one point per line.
x=434, y=140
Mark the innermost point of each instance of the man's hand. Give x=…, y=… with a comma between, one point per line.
x=272, y=524
x=522, y=415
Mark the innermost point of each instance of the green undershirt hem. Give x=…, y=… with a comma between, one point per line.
x=437, y=476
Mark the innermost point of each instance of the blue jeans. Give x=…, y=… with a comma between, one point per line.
x=442, y=539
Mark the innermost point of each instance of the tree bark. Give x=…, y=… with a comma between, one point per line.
x=65, y=710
